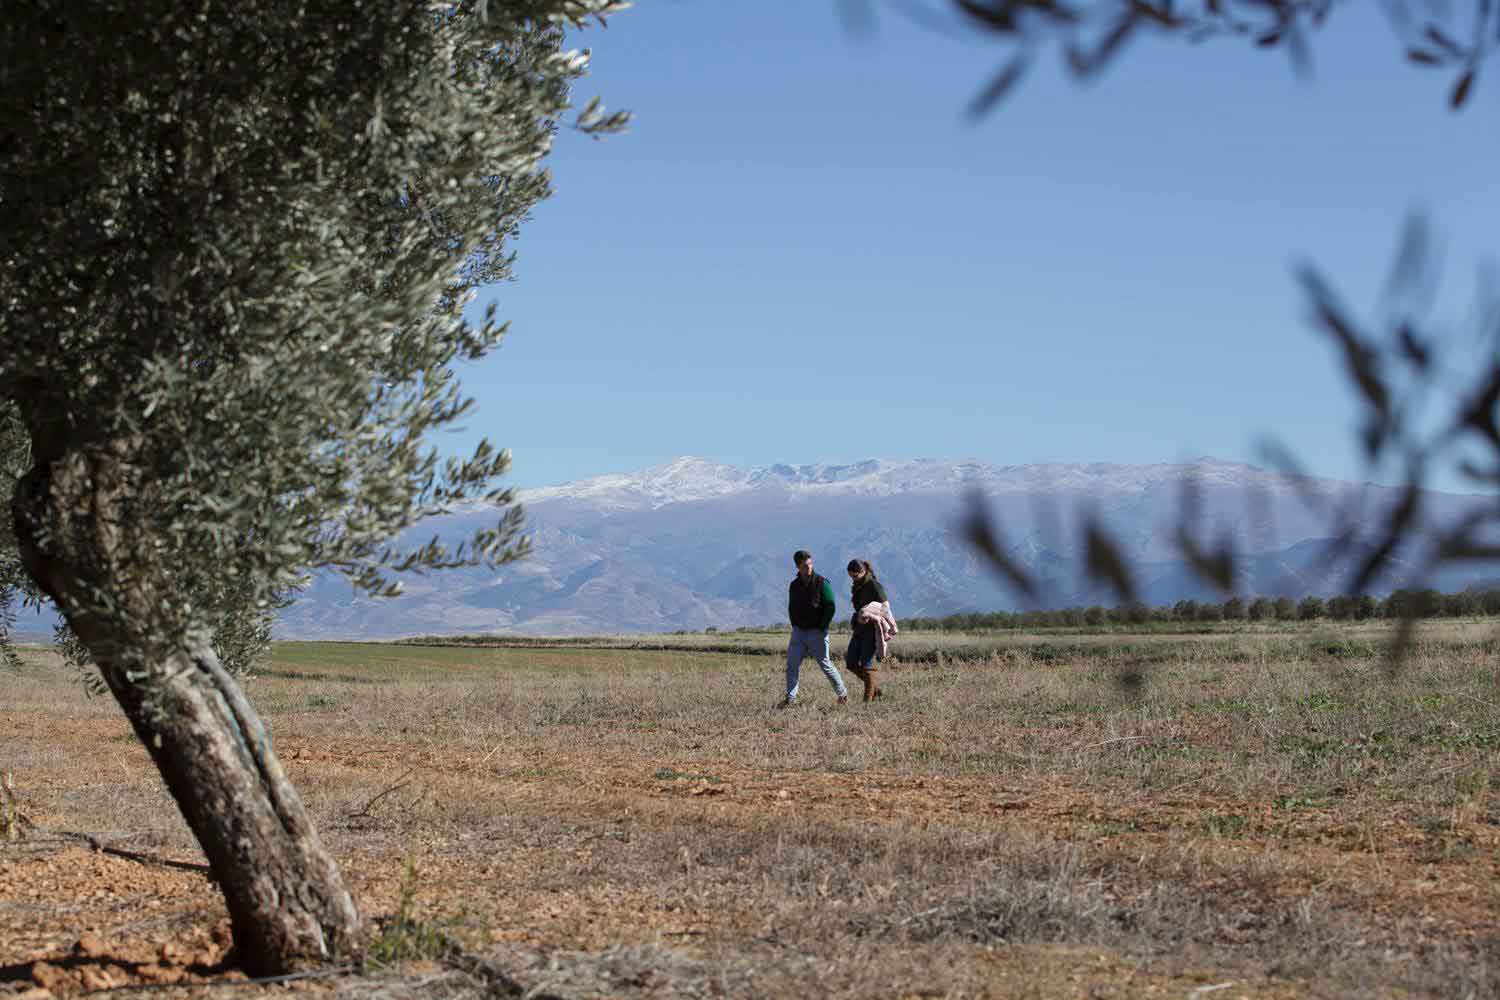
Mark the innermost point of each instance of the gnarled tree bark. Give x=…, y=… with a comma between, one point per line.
x=289, y=905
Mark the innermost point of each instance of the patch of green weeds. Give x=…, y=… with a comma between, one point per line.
x=321, y=701
x=1312, y=749
x=1453, y=737
x=405, y=936
x=1118, y=827
x=1077, y=707
x=1433, y=825
x=1228, y=825
x=1379, y=745
x=1472, y=781
x=1292, y=803
x=672, y=774
x=1239, y=707
x=532, y=771
x=303, y=675
x=1046, y=652
x=1440, y=849
x=1307, y=749
x=1346, y=648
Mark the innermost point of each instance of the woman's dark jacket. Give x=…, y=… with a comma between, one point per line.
x=865, y=591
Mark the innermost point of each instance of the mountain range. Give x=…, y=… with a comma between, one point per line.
x=693, y=544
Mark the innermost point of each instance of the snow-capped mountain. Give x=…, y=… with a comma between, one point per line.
x=692, y=544
x=691, y=479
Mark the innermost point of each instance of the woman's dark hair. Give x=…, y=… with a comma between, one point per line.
x=858, y=564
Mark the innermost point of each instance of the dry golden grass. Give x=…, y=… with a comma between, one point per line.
x=1055, y=816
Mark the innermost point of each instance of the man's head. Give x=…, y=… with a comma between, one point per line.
x=803, y=559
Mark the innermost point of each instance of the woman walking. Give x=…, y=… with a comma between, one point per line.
x=871, y=629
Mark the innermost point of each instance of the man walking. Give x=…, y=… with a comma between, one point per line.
x=810, y=607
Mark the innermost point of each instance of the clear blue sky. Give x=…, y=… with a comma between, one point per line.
x=804, y=251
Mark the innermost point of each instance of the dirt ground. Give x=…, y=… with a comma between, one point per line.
x=621, y=863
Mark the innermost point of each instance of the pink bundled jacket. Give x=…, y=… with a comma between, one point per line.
x=879, y=614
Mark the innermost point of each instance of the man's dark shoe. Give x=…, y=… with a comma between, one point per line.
x=843, y=699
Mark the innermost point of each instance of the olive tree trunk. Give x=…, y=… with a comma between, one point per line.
x=288, y=902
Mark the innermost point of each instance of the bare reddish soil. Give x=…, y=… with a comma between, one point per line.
x=601, y=865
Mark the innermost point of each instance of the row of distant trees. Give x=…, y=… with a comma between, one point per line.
x=1342, y=607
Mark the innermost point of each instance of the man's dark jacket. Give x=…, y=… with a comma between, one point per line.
x=810, y=602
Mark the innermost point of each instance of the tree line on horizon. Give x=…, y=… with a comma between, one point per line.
x=1399, y=605
x=1405, y=604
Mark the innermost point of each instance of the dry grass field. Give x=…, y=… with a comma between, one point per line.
x=1251, y=814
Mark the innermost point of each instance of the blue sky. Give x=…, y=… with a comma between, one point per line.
x=804, y=251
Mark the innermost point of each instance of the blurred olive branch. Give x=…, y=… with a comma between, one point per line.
x=1089, y=35
x=1396, y=365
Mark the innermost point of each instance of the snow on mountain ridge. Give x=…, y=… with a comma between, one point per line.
x=681, y=480
x=689, y=479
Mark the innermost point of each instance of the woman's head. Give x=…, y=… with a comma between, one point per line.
x=859, y=569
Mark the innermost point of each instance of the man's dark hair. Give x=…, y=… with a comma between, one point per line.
x=801, y=556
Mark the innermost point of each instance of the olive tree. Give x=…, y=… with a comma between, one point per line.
x=239, y=632
x=239, y=243
x=240, y=625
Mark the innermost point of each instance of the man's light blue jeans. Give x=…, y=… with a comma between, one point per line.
x=810, y=642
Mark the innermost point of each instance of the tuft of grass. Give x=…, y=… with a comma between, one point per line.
x=672, y=774
x=1231, y=825
x=13, y=821
x=405, y=936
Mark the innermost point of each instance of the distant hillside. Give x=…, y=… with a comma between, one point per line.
x=693, y=544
